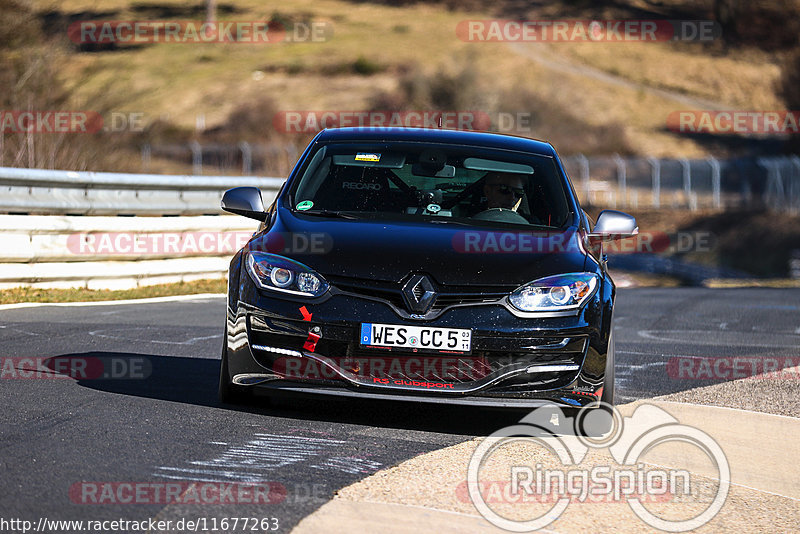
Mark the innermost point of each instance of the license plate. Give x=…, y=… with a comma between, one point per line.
x=416, y=337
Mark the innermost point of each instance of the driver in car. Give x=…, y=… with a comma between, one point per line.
x=503, y=190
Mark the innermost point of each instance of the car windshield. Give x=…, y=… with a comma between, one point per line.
x=432, y=183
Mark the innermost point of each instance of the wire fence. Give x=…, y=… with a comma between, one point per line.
x=247, y=158
x=610, y=181
x=768, y=182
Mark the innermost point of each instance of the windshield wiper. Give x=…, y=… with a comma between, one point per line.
x=333, y=214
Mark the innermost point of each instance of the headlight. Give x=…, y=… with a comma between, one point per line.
x=560, y=292
x=270, y=271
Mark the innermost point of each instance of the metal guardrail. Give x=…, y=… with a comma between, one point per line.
x=81, y=239
x=49, y=192
x=46, y=251
x=116, y=252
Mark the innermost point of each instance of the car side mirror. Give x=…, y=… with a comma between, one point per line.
x=245, y=201
x=612, y=225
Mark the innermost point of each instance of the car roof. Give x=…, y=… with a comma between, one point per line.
x=430, y=135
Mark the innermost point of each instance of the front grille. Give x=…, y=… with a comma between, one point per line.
x=495, y=354
x=444, y=300
x=391, y=292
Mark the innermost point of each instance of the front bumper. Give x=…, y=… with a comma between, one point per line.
x=514, y=362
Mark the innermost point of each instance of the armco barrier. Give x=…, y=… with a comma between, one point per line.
x=53, y=232
x=38, y=191
x=51, y=238
x=111, y=274
x=116, y=252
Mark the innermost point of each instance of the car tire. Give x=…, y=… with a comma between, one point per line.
x=608, y=395
x=598, y=427
x=228, y=393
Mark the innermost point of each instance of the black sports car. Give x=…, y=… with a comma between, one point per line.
x=425, y=265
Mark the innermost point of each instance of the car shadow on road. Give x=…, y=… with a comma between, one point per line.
x=194, y=381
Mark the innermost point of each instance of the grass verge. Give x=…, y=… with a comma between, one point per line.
x=33, y=294
x=730, y=283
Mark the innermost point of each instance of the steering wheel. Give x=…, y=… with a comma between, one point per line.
x=501, y=215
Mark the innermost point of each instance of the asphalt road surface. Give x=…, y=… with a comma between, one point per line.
x=147, y=415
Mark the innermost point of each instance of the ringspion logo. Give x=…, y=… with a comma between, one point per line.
x=560, y=476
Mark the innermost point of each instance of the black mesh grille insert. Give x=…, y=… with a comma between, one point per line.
x=390, y=291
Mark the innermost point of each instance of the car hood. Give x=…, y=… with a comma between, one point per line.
x=451, y=254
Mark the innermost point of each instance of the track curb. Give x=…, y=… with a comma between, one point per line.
x=759, y=464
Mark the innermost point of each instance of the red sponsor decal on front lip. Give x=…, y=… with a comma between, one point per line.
x=413, y=383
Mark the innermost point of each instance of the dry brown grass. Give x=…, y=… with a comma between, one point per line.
x=29, y=294
x=177, y=82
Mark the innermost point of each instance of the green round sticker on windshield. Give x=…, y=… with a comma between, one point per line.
x=304, y=205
